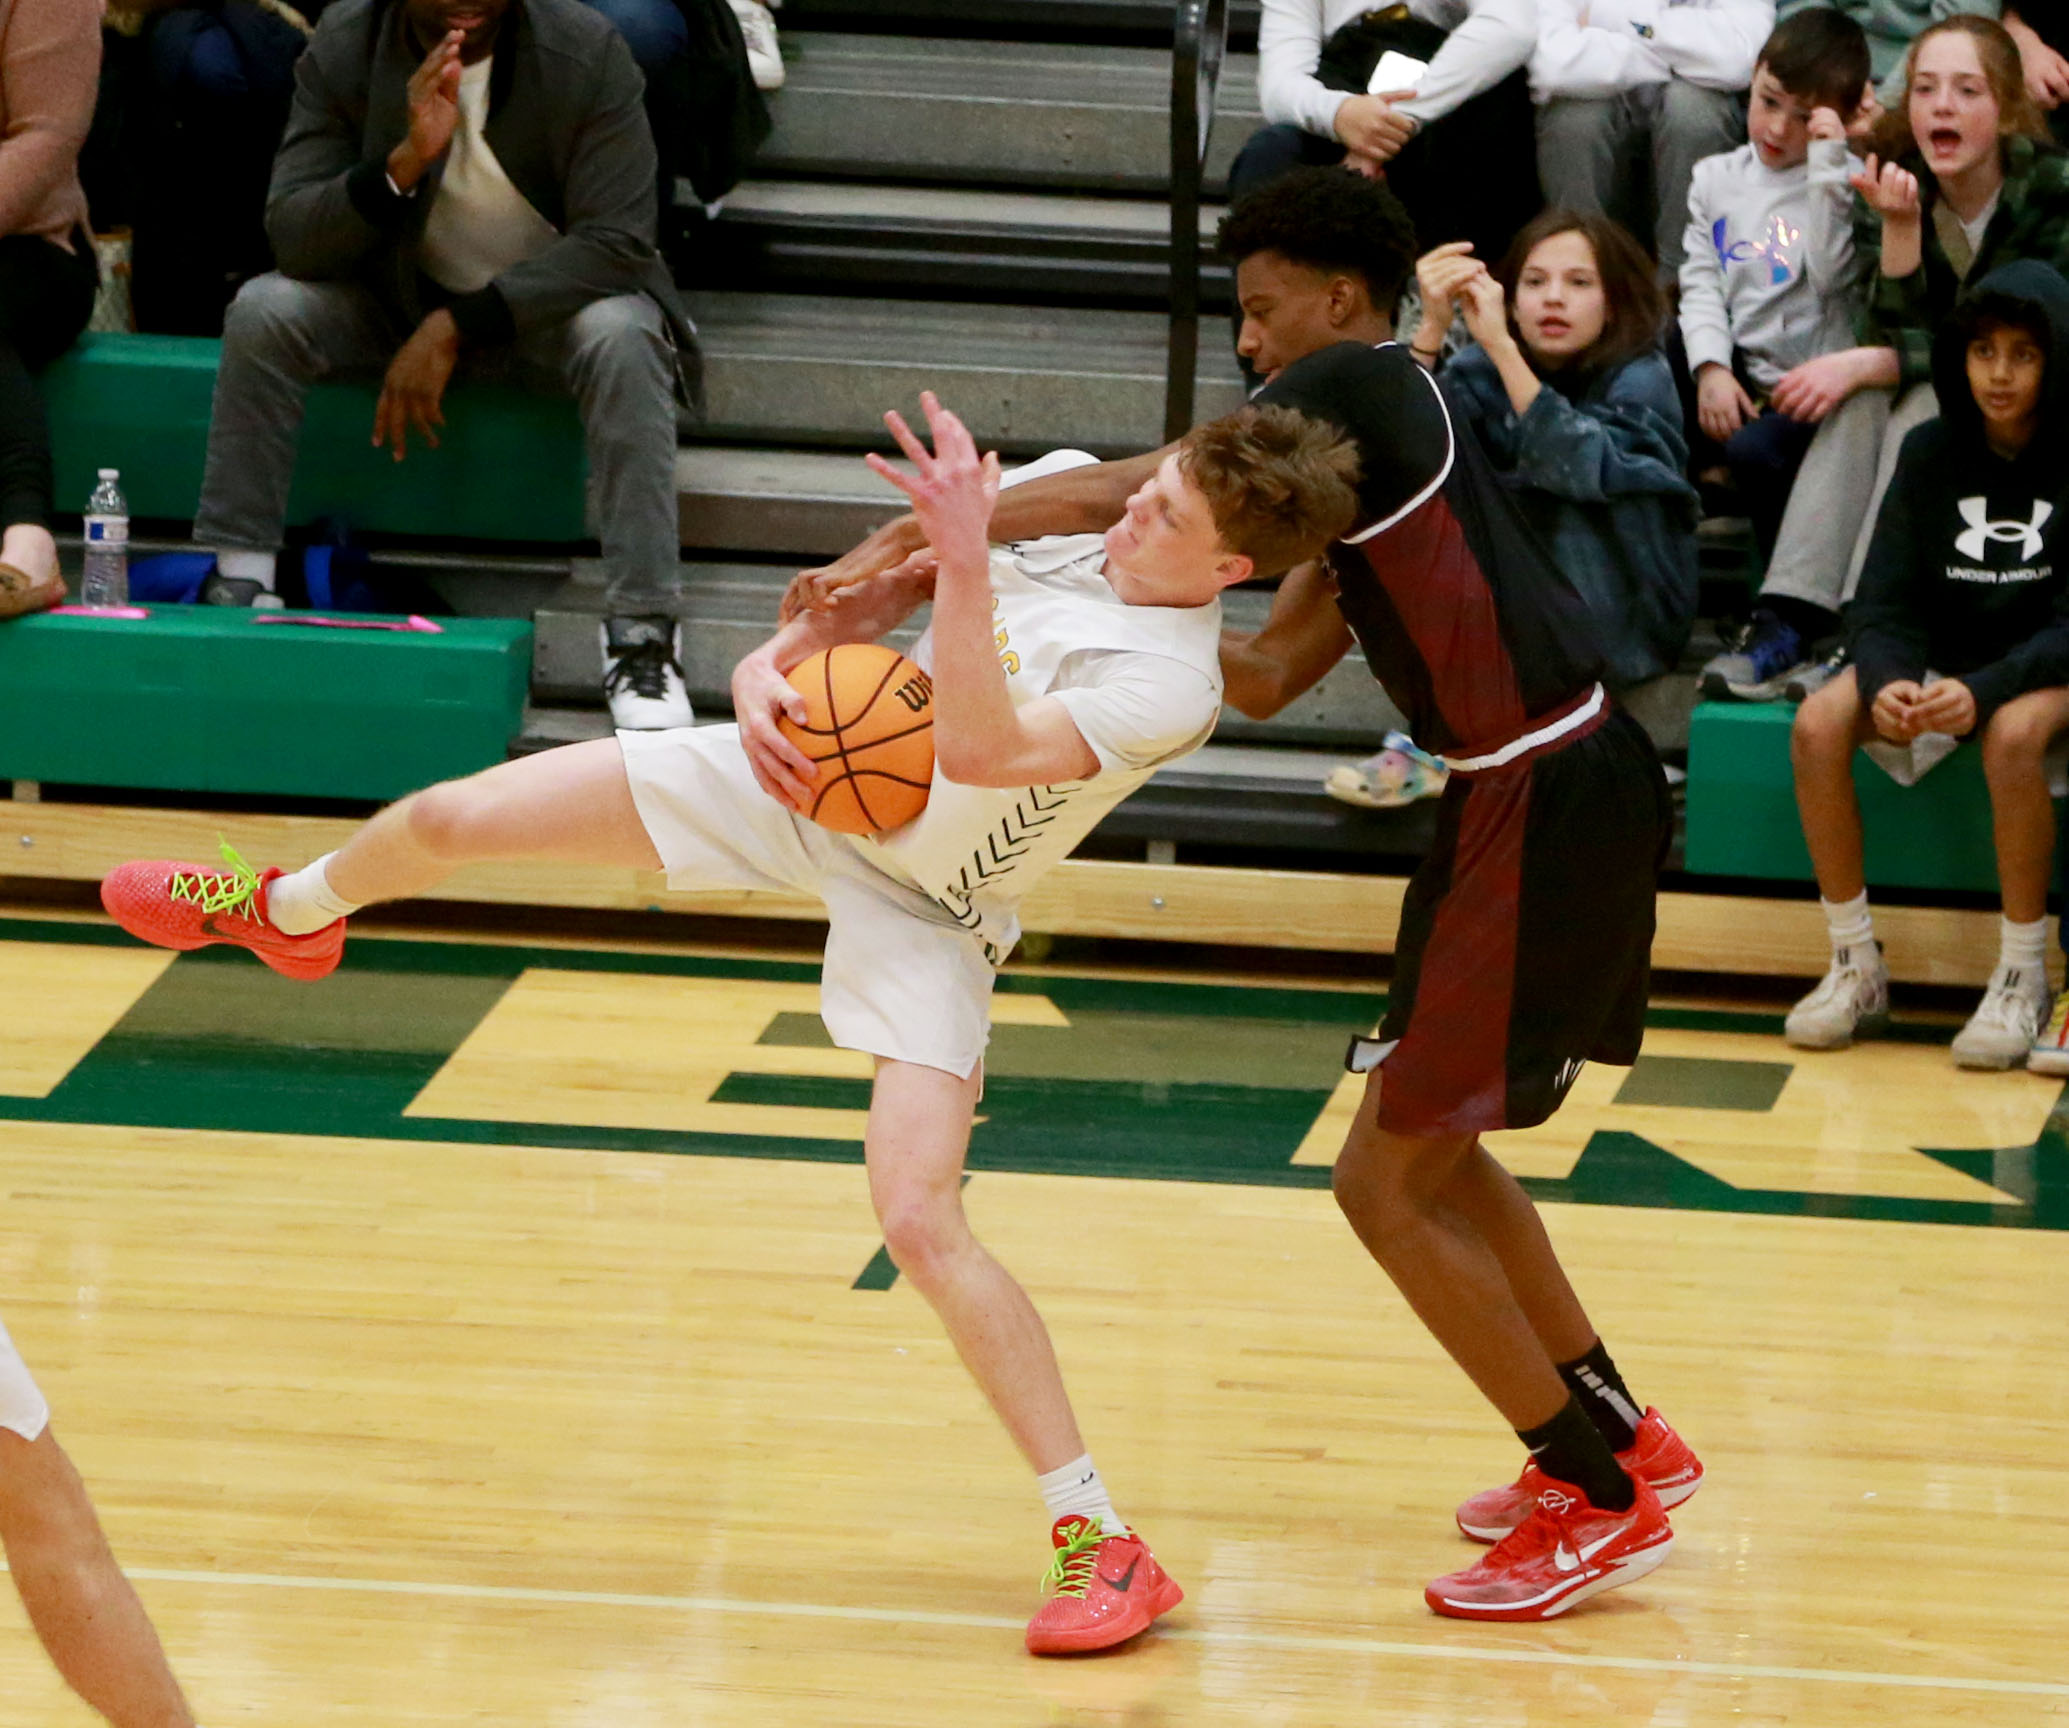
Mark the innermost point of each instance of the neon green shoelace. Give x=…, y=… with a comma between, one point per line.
x=1071, y=1570
x=234, y=893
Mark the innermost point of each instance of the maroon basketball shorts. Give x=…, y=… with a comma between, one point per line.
x=1526, y=937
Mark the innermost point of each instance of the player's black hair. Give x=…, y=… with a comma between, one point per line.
x=1820, y=56
x=1328, y=219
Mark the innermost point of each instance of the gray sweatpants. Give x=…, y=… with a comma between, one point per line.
x=1823, y=540
x=613, y=357
x=1592, y=153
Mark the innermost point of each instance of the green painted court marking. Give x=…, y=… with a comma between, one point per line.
x=1705, y=1083
x=1180, y=1082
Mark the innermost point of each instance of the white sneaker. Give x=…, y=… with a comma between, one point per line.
x=1851, y=1001
x=764, y=56
x=2050, y=1052
x=642, y=674
x=2014, y=1009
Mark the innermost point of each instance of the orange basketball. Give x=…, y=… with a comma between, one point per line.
x=871, y=730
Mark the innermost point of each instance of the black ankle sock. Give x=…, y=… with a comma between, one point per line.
x=1808, y=619
x=1593, y=1379
x=1569, y=1448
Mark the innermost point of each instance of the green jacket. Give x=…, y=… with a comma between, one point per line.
x=2031, y=221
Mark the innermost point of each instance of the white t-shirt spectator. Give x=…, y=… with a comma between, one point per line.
x=1489, y=40
x=1627, y=44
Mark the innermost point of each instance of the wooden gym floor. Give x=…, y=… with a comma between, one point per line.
x=500, y=1334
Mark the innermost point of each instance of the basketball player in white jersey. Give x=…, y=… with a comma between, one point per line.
x=81, y=1606
x=1065, y=672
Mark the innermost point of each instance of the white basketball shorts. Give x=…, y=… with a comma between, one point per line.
x=901, y=979
x=22, y=1406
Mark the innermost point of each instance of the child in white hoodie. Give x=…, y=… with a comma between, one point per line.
x=1769, y=278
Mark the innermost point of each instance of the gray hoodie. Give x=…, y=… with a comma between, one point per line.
x=1769, y=266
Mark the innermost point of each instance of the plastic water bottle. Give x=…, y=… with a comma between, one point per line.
x=106, y=580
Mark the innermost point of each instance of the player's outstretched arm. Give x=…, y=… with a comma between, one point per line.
x=82, y=1607
x=1086, y=500
x=1303, y=637
x=863, y=612
x=980, y=738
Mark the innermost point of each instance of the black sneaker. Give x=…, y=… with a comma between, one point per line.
x=1757, y=666
x=642, y=674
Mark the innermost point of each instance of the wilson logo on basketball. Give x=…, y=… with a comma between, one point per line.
x=916, y=692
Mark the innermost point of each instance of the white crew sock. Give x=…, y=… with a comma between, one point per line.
x=1847, y=921
x=2023, y=945
x=305, y=902
x=1075, y=1490
x=248, y=567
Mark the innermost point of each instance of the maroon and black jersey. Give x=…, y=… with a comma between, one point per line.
x=1526, y=932
x=1461, y=612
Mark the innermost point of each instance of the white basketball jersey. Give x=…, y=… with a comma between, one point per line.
x=977, y=849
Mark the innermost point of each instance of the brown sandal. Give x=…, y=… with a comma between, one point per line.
x=20, y=592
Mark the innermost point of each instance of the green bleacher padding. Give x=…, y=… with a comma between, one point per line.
x=1742, y=817
x=510, y=464
x=213, y=699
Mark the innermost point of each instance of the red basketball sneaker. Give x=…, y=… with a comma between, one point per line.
x=1107, y=1589
x=1658, y=1456
x=192, y=906
x=1566, y=1551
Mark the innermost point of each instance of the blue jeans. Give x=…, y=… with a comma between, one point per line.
x=654, y=30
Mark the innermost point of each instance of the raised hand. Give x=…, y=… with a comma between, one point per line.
x=953, y=489
x=1826, y=124
x=1888, y=189
x=1486, y=311
x=1441, y=274
x=434, y=112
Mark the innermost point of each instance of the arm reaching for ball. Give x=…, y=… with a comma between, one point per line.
x=1087, y=500
x=865, y=611
x=980, y=738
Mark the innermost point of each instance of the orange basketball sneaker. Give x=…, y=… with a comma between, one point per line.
x=193, y=906
x=1658, y=1456
x=1107, y=1589
x=1566, y=1551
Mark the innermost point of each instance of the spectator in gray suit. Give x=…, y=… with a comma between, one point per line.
x=466, y=185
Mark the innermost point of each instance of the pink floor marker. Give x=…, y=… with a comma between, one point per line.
x=99, y=612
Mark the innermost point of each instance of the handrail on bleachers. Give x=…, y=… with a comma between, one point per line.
x=1199, y=45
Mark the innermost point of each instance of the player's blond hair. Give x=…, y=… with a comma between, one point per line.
x=1280, y=485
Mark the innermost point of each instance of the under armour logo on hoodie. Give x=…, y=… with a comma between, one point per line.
x=1973, y=541
x=1772, y=247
